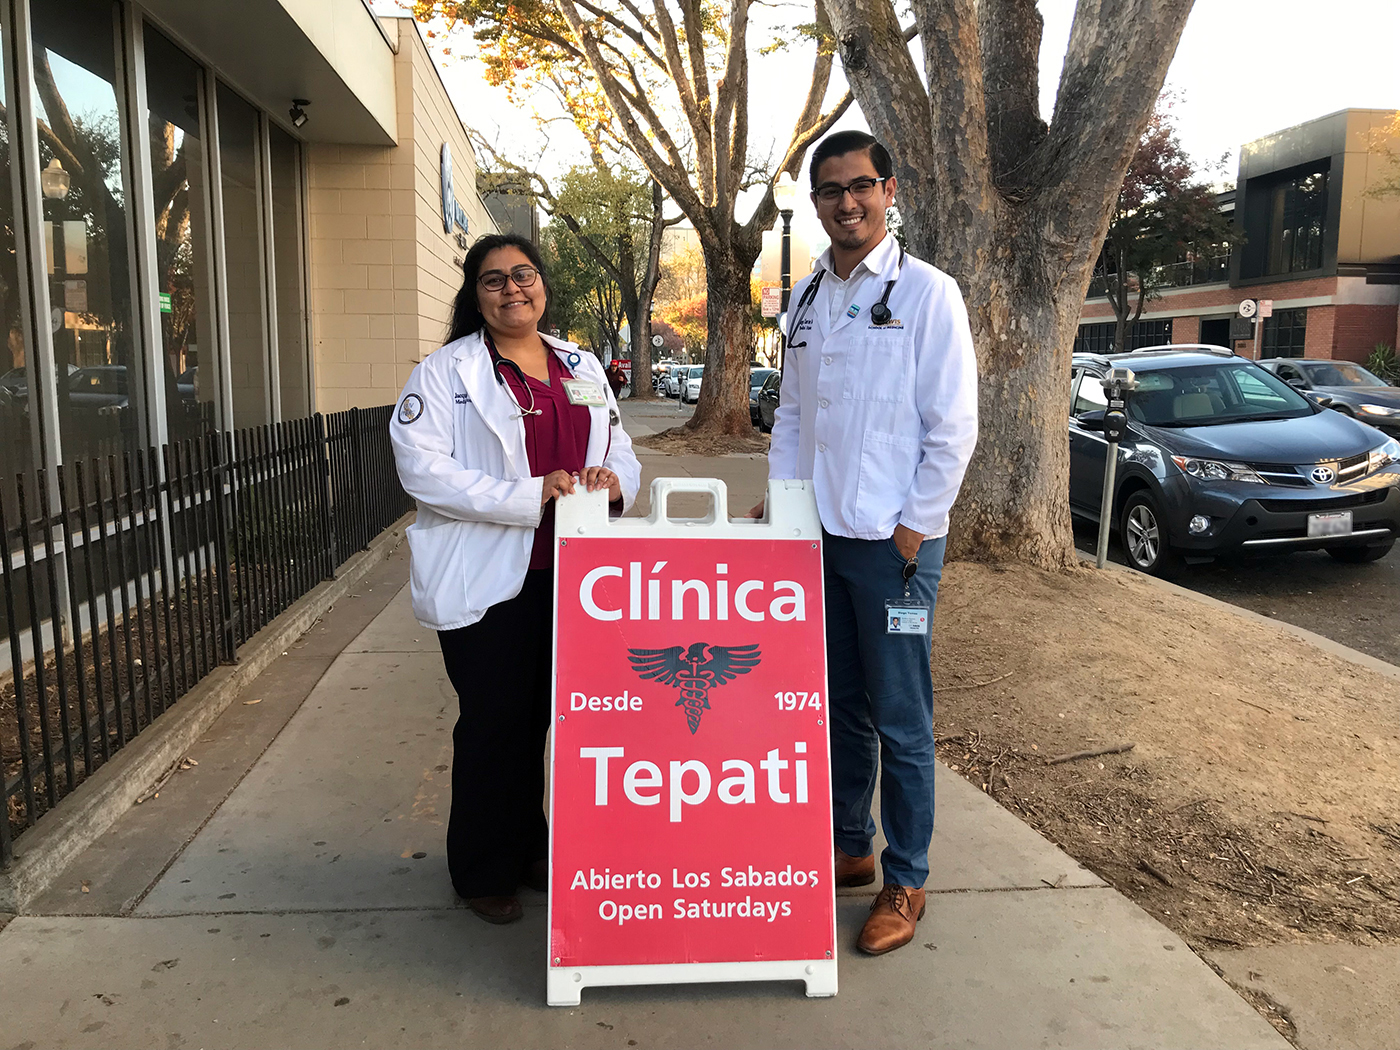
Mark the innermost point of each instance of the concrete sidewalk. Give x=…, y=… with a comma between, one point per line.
x=291, y=889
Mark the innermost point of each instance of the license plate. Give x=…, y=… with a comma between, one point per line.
x=1337, y=523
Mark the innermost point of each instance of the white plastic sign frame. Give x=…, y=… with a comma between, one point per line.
x=790, y=514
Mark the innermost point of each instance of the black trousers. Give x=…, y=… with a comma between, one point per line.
x=500, y=667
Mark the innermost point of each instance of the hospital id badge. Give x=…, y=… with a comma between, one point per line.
x=584, y=392
x=906, y=617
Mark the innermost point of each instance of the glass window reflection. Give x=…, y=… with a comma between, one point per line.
x=85, y=222
x=247, y=352
x=179, y=190
x=294, y=375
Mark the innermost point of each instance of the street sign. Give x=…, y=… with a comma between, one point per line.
x=1248, y=308
x=690, y=802
x=1266, y=308
x=657, y=340
x=165, y=302
x=772, y=301
x=1241, y=327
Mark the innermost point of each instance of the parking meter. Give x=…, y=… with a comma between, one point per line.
x=1118, y=387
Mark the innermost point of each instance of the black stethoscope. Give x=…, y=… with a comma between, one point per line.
x=572, y=358
x=879, y=313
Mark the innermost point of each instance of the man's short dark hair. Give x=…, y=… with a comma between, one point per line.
x=844, y=142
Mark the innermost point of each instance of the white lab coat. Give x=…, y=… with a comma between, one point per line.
x=459, y=444
x=881, y=419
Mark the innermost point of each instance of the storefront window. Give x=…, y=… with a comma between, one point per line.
x=247, y=352
x=182, y=278
x=16, y=449
x=85, y=227
x=1285, y=333
x=287, y=263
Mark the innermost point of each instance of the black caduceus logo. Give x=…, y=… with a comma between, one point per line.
x=694, y=672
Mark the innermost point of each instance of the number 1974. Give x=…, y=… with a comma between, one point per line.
x=798, y=701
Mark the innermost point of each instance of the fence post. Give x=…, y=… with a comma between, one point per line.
x=357, y=468
x=323, y=467
x=218, y=471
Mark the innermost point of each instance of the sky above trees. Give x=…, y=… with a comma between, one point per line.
x=1244, y=68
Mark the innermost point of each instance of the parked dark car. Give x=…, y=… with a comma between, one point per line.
x=1351, y=389
x=1223, y=456
x=756, y=378
x=767, y=399
x=98, y=388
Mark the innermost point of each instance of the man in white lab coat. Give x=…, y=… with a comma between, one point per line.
x=878, y=408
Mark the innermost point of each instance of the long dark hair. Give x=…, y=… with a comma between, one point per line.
x=466, y=311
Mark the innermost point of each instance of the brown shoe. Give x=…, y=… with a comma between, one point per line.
x=498, y=910
x=892, y=920
x=854, y=871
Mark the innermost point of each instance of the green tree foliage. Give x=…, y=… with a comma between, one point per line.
x=1164, y=216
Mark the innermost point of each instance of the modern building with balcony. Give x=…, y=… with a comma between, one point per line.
x=1314, y=239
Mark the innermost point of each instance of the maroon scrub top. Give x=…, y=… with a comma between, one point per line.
x=556, y=439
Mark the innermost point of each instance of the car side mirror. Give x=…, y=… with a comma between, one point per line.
x=1091, y=420
x=1325, y=402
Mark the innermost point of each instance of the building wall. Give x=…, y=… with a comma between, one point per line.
x=1219, y=298
x=1317, y=341
x=1359, y=328
x=1369, y=230
x=383, y=271
x=1186, y=329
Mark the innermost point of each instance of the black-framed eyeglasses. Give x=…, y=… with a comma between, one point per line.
x=494, y=280
x=860, y=190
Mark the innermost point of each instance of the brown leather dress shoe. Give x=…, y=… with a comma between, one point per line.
x=854, y=871
x=893, y=919
x=498, y=910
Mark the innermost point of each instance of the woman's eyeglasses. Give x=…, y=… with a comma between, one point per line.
x=860, y=189
x=494, y=281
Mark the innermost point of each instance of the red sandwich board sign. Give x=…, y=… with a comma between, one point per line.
x=690, y=798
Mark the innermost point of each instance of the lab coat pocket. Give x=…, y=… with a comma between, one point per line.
x=877, y=367
x=887, y=465
x=438, y=568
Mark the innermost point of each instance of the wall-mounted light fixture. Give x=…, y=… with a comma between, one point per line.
x=54, y=181
x=297, y=112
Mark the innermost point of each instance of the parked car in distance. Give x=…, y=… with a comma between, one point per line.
x=98, y=388
x=690, y=385
x=1352, y=389
x=767, y=399
x=1222, y=456
x=756, y=378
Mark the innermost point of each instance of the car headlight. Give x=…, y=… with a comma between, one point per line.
x=1384, y=456
x=1215, y=470
x=1378, y=410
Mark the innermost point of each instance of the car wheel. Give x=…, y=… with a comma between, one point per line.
x=1360, y=555
x=1144, y=536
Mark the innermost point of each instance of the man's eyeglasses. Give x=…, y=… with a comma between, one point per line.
x=523, y=276
x=860, y=190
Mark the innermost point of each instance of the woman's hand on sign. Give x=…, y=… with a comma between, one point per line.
x=556, y=483
x=595, y=478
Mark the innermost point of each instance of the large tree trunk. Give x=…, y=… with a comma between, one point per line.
x=723, y=407
x=1014, y=212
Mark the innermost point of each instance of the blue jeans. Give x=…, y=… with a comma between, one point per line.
x=880, y=699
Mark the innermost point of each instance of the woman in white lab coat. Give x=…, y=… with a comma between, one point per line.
x=490, y=430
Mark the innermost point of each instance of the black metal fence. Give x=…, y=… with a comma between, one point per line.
x=127, y=579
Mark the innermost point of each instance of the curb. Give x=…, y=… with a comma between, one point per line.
x=1327, y=645
x=48, y=848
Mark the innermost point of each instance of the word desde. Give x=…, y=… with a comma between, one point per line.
x=789, y=601
x=581, y=702
x=643, y=782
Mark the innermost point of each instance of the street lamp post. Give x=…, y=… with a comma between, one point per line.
x=785, y=196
